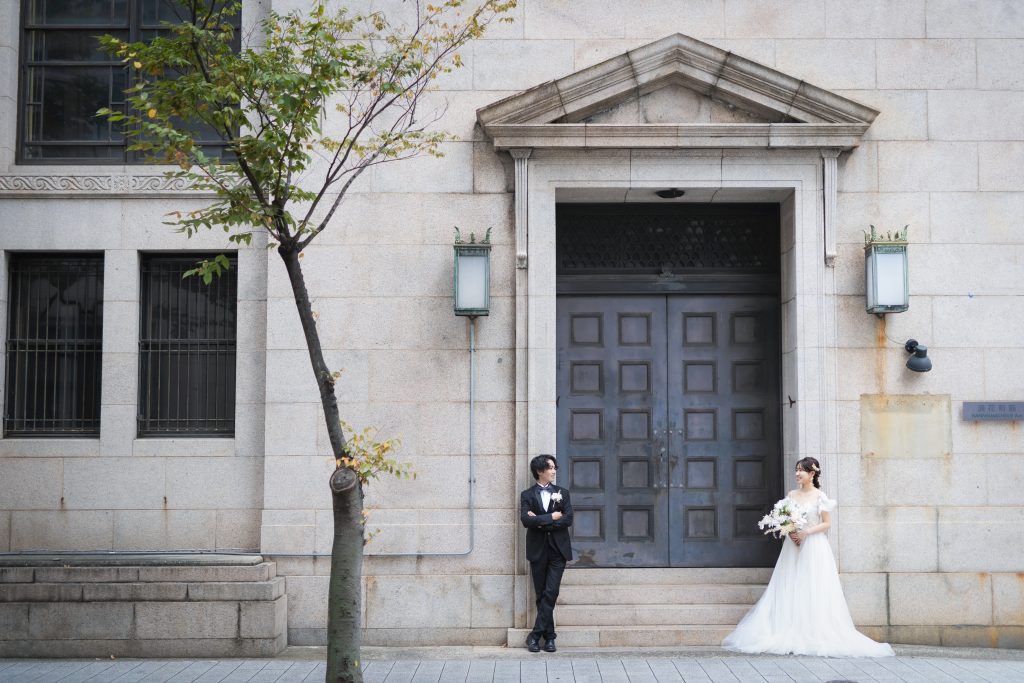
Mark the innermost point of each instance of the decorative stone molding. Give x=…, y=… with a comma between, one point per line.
x=113, y=185
x=521, y=156
x=829, y=157
x=798, y=114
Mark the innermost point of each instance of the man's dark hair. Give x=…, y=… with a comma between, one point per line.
x=540, y=463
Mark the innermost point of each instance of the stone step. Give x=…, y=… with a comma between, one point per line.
x=648, y=615
x=264, y=571
x=578, y=576
x=629, y=636
x=162, y=591
x=655, y=594
x=136, y=607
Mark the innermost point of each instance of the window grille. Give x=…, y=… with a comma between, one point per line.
x=186, y=349
x=66, y=77
x=54, y=345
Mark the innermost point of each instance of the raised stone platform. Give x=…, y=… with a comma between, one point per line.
x=651, y=607
x=141, y=605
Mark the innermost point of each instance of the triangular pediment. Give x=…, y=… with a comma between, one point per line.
x=676, y=92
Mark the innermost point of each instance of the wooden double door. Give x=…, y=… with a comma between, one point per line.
x=668, y=427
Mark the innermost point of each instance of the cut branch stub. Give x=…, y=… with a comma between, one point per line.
x=343, y=480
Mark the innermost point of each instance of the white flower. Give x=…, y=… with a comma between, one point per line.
x=557, y=496
x=786, y=517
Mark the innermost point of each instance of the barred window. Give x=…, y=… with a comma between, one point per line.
x=54, y=345
x=186, y=349
x=66, y=77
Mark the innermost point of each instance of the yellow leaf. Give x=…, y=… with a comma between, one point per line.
x=137, y=65
x=151, y=113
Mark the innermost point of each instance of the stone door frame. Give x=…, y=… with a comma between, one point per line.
x=795, y=179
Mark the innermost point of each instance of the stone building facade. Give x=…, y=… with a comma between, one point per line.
x=915, y=117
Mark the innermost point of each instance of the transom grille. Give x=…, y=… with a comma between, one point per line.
x=656, y=239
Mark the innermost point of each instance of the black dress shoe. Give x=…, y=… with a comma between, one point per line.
x=549, y=645
x=532, y=643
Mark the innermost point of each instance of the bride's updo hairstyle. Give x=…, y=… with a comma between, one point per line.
x=811, y=466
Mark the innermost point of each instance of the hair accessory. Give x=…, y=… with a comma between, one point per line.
x=816, y=468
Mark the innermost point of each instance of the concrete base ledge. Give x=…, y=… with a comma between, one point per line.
x=180, y=647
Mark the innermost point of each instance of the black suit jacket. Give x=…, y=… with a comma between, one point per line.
x=542, y=527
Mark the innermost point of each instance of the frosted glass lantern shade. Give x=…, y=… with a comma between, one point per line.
x=885, y=278
x=472, y=279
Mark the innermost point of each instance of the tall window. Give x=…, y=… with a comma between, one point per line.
x=66, y=77
x=54, y=338
x=187, y=349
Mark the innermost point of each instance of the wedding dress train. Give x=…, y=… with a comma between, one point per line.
x=803, y=610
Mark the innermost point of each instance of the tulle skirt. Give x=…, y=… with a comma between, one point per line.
x=803, y=610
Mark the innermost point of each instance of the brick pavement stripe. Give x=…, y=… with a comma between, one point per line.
x=664, y=671
x=480, y=671
x=217, y=674
x=743, y=670
x=585, y=671
x=612, y=671
x=690, y=669
x=717, y=671
x=402, y=672
x=638, y=671
x=377, y=672
x=429, y=672
x=795, y=669
x=297, y=672
x=455, y=671
x=318, y=674
x=506, y=671
x=559, y=671
x=958, y=672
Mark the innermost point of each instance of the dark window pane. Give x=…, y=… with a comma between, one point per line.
x=54, y=338
x=187, y=350
x=78, y=12
x=77, y=46
x=154, y=12
x=69, y=99
x=74, y=152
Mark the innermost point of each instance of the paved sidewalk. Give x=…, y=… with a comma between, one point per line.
x=574, y=665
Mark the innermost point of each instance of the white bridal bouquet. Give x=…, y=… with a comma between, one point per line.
x=786, y=517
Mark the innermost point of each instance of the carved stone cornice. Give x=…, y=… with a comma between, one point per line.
x=798, y=114
x=99, y=185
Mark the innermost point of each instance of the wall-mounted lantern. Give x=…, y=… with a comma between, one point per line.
x=472, y=275
x=887, y=288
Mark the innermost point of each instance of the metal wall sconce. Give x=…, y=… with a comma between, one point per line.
x=919, y=361
x=472, y=275
x=887, y=288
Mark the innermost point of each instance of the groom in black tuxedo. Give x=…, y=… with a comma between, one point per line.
x=545, y=511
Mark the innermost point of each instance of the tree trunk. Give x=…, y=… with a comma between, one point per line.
x=344, y=596
x=343, y=602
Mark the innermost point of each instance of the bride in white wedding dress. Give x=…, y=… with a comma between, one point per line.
x=803, y=610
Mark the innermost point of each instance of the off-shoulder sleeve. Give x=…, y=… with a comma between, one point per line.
x=827, y=504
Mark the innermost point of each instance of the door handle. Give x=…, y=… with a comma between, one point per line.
x=659, y=463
